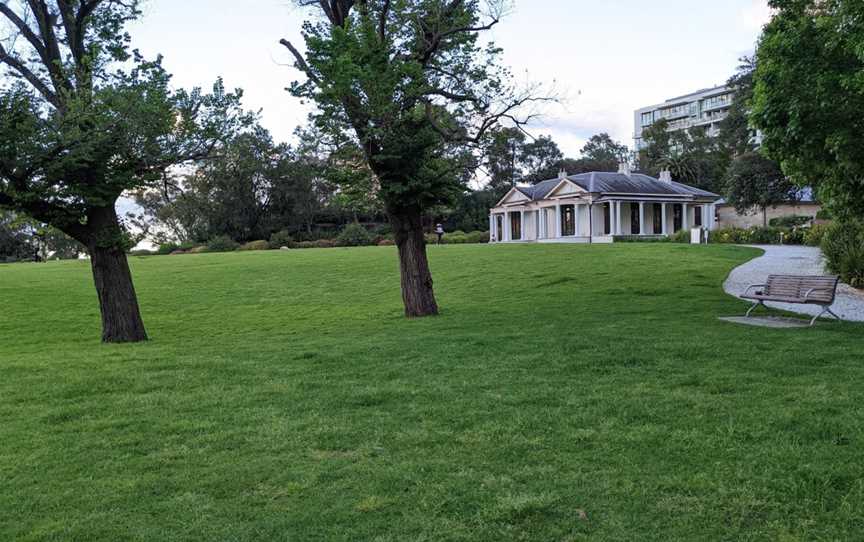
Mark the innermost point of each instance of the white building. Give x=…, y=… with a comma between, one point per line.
x=600, y=207
x=701, y=108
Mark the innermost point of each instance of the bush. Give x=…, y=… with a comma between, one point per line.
x=355, y=235
x=167, y=248
x=789, y=221
x=824, y=214
x=765, y=236
x=680, y=236
x=280, y=239
x=813, y=235
x=255, y=245
x=386, y=243
x=304, y=244
x=222, y=243
x=141, y=253
x=200, y=249
x=737, y=236
x=843, y=246
x=477, y=237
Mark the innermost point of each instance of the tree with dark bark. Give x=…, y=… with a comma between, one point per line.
x=412, y=82
x=755, y=182
x=83, y=119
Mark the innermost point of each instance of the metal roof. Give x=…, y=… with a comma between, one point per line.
x=618, y=183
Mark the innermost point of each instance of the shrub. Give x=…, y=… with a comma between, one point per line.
x=280, y=239
x=736, y=236
x=141, y=253
x=167, y=248
x=680, y=236
x=843, y=246
x=477, y=237
x=326, y=243
x=789, y=221
x=255, y=245
x=355, y=235
x=200, y=249
x=386, y=243
x=765, y=236
x=304, y=244
x=813, y=235
x=794, y=236
x=824, y=214
x=222, y=243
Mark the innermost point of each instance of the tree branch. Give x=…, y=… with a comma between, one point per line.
x=23, y=71
x=301, y=62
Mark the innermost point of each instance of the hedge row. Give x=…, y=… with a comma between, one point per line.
x=353, y=235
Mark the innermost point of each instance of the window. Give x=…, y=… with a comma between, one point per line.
x=648, y=118
x=516, y=226
x=607, y=219
x=499, y=227
x=634, y=219
x=658, y=217
x=697, y=215
x=677, y=218
x=568, y=220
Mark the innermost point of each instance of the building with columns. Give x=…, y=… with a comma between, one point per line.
x=600, y=207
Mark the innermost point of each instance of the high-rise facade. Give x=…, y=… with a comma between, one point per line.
x=701, y=108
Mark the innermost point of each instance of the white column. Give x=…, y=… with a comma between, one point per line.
x=576, y=213
x=617, y=228
x=685, y=220
x=537, y=224
x=642, y=228
x=557, y=220
x=712, y=225
x=506, y=226
x=664, y=227
x=491, y=229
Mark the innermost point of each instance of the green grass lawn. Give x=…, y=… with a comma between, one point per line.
x=565, y=393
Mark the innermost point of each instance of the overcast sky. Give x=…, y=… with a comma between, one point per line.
x=606, y=57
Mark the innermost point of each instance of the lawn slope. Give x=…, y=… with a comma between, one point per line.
x=565, y=393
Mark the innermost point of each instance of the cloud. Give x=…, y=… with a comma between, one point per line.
x=755, y=16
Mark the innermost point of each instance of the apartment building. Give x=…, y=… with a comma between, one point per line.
x=705, y=107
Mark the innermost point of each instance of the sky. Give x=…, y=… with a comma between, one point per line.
x=604, y=58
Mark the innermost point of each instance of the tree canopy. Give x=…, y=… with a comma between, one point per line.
x=412, y=83
x=83, y=119
x=756, y=182
x=809, y=94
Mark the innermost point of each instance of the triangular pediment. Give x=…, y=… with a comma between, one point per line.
x=566, y=188
x=512, y=197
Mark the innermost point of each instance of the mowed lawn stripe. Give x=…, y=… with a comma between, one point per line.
x=565, y=393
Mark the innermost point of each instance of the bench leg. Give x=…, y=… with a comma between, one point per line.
x=752, y=308
x=824, y=310
x=834, y=315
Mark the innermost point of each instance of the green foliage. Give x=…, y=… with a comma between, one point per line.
x=168, y=248
x=692, y=156
x=808, y=91
x=280, y=239
x=824, y=214
x=355, y=235
x=790, y=221
x=255, y=245
x=813, y=235
x=222, y=243
x=759, y=236
x=319, y=243
x=680, y=236
x=755, y=181
x=843, y=247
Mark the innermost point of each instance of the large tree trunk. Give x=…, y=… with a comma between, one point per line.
x=417, y=294
x=121, y=318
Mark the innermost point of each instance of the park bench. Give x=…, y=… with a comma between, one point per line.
x=809, y=290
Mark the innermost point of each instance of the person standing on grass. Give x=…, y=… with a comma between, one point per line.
x=439, y=231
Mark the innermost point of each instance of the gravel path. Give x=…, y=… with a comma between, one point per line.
x=794, y=260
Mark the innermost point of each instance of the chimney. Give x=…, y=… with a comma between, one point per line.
x=666, y=176
x=562, y=173
x=624, y=167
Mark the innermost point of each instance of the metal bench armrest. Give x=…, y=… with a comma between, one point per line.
x=753, y=286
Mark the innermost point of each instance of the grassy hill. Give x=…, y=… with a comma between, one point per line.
x=565, y=393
